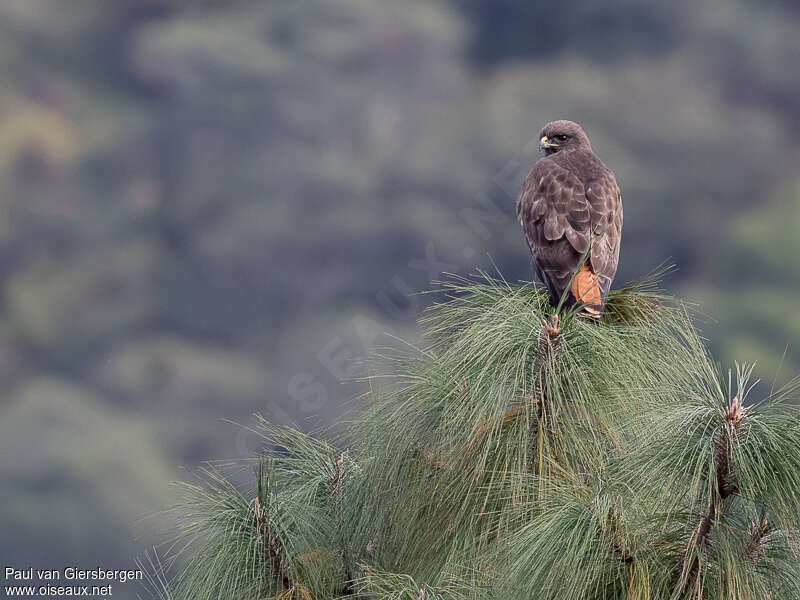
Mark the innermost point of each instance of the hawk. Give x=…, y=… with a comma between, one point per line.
x=570, y=208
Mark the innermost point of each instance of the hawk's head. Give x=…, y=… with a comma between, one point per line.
x=562, y=135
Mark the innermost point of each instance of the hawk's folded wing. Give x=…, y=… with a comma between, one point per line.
x=555, y=216
x=605, y=206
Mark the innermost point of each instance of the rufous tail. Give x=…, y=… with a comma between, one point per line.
x=586, y=290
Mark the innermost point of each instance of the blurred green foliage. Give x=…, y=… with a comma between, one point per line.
x=209, y=208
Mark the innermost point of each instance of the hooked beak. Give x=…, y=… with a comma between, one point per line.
x=545, y=143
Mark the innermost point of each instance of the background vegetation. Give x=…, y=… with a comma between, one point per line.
x=212, y=208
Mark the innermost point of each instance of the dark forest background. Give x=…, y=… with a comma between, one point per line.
x=215, y=208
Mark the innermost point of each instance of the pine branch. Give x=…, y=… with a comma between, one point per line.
x=722, y=441
x=758, y=535
x=620, y=552
x=548, y=345
x=275, y=552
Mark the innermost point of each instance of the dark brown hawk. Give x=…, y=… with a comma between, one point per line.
x=571, y=210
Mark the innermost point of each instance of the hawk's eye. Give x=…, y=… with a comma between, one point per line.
x=562, y=137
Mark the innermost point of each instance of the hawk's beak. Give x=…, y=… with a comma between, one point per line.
x=545, y=143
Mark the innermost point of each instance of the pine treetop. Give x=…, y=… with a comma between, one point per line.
x=606, y=460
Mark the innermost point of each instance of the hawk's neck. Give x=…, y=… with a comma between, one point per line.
x=581, y=161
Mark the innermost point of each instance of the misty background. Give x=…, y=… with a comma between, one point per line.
x=215, y=208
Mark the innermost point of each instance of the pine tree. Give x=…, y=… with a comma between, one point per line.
x=610, y=460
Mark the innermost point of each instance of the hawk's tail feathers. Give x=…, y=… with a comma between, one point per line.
x=586, y=290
